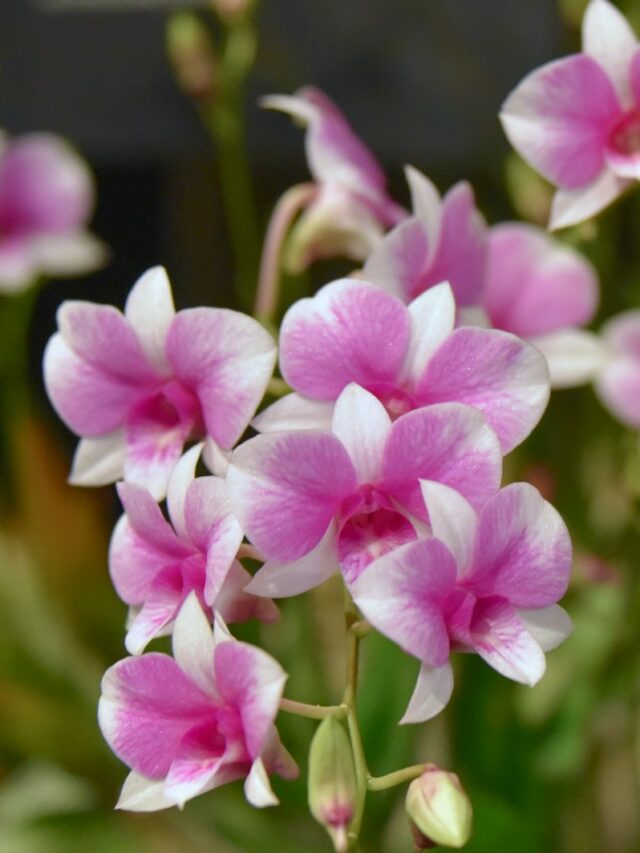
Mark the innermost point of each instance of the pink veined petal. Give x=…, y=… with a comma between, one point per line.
x=150, y=311
x=193, y=645
x=559, y=118
x=142, y=697
x=501, y=375
x=622, y=334
x=294, y=412
x=523, y=549
x=146, y=519
x=285, y=488
x=453, y=521
x=433, y=316
x=236, y=605
x=280, y=580
x=500, y=637
x=334, y=339
x=226, y=359
x=571, y=206
x=89, y=401
x=548, y=626
x=181, y=478
x=426, y=204
x=460, y=256
x=447, y=442
x=362, y=424
x=219, y=531
x=608, y=38
x=535, y=285
x=618, y=387
x=159, y=609
x=432, y=692
x=402, y=594
x=98, y=461
x=101, y=336
x=398, y=262
x=251, y=681
x=140, y=794
x=257, y=788
x=573, y=356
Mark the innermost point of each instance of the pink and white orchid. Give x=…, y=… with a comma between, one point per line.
x=577, y=120
x=137, y=387
x=191, y=723
x=408, y=357
x=544, y=292
x=313, y=502
x=487, y=581
x=46, y=199
x=444, y=240
x=618, y=380
x=155, y=565
x=351, y=209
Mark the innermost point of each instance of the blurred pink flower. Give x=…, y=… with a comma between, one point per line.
x=137, y=387
x=618, y=380
x=196, y=721
x=577, y=119
x=46, y=199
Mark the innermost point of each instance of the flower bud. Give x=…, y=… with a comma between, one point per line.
x=192, y=54
x=332, y=780
x=439, y=810
x=231, y=10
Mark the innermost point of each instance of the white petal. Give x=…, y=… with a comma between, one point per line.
x=608, y=38
x=574, y=356
x=433, y=316
x=215, y=457
x=453, y=521
x=257, y=788
x=193, y=645
x=294, y=412
x=362, y=424
x=548, y=626
x=427, y=205
x=572, y=206
x=98, y=461
x=181, y=478
x=140, y=794
x=69, y=254
x=149, y=308
x=432, y=692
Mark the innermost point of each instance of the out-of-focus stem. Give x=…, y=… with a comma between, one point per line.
x=406, y=774
x=288, y=207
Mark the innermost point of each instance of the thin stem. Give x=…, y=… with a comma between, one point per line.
x=314, y=712
x=284, y=213
x=381, y=783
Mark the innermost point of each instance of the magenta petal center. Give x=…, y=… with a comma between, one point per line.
x=395, y=399
x=624, y=138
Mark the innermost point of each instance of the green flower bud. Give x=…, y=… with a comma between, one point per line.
x=192, y=54
x=332, y=780
x=439, y=810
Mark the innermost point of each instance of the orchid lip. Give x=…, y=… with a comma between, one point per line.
x=396, y=400
x=624, y=138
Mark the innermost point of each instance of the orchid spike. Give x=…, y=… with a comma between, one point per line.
x=487, y=581
x=577, y=120
x=191, y=723
x=136, y=387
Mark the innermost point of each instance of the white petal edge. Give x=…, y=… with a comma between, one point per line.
x=99, y=461
x=193, y=645
x=608, y=38
x=140, y=794
x=427, y=205
x=294, y=412
x=150, y=311
x=549, y=626
x=432, y=692
x=453, y=521
x=569, y=207
x=362, y=424
x=257, y=788
x=574, y=356
x=433, y=317
x=181, y=478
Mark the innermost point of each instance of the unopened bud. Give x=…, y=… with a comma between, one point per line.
x=192, y=54
x=332, y=780
x=231, y=10
x=439, y=810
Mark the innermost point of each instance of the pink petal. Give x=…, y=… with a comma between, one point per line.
x=433, y=317
x=149, y=309
x=397, y=264
x=504, y=377
x=160, y=607
x=294, y=412
x=573, y=356
x=141, y=698
x=334, y=339
x=193, y=644
x=285, y=488
x=622, y=334
x=571, y=206
x=461, y=253
x=362, y=424
x=523, y=550
x=453, y=521
x=608, y=38
x=402, y=594
x=500, y=637
x=251, y=681
x=548, y=626
x=432, y=692
x=535, y=285
x=226, y=359
x=559, y=118
x=182, y=476
x=98, y=461
x=447, y=442
x=618, y=387
x=146, y=519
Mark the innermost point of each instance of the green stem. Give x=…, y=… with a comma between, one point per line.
x=314, y=712
x=381, y=783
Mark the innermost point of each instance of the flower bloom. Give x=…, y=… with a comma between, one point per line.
x=443, y=240
x=408, y=357
x=137, y=387
x=313, y=501
x=618, y=380
x=577, y=120
x=487, y=581
x=46, y=198
x=190, y=723
x=351, y=208
x=543, y=291
x=155, y=565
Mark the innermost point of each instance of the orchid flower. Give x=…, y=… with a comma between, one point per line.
x=350, y=210
x=46, y=198
x=618, y=380
x=487, y=581
x=577, y=120
x=444, y=240
x=196, y=721
x=155, y=565
x=408, y=357
x=544, y=292
x=136, y=387
x=313, y=502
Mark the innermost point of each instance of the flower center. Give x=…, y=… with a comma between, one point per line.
x=395, y=399
x=625, y=136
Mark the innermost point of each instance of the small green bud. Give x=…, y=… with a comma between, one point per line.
x=332, y=780
x=439, y=810
x=193, y=56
